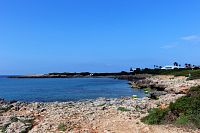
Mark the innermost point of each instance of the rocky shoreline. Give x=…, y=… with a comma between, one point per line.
x=113, y=115
x=166, y=84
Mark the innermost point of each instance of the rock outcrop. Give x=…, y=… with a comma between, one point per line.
x=169, y=84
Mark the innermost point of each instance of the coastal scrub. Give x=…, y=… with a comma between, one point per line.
x=184, y=111
x=190, y=73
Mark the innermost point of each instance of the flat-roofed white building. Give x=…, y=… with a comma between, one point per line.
x=169, y=67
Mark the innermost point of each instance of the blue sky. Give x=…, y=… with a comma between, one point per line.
x=41, y=36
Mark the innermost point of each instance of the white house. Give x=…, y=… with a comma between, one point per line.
x=169, y=67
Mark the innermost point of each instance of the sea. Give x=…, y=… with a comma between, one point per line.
x=64, y=89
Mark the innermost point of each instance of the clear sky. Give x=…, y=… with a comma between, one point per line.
x=41, y=36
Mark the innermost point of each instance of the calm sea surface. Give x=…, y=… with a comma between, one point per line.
x=64, y=89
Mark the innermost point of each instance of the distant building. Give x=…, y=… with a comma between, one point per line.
x=169, y=67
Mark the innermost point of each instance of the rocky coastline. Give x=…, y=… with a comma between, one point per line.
x=167, y=83
x=113, y=115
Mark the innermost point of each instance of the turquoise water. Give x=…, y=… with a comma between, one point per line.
x=64, y=89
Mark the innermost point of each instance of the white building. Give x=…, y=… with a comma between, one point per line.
x=169, y=67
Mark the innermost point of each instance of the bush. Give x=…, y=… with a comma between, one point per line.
x=194, y=73
x=155, y=116
x=185, y=111
x=4, y=127
x=182, y=120
x=123, y=109
x=13, y=119
x=61, y=127
x=181, y=105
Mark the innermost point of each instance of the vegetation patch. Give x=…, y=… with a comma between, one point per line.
x=185, y=111
x=4, y=127
x=5, y=108
x=147, y=89
x=123, y=109
x=154, y=97
x=27, y=120
x=14, y=119
x=195, y=74
x=182, y=120
x=155, y=116
x=100, y=105
x=61, y=127
x=28, y=128
x=187, y=72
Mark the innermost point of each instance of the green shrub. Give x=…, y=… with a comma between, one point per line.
x=61, y=127
x=184, y=111
x=4, y=127
x=182, y=120
x=14, y=119
x=195, y=120
x=194, y=73
x=154, y=97
x=147, y=89
x=181, y=105
x=123, y=109
x=155, y=116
